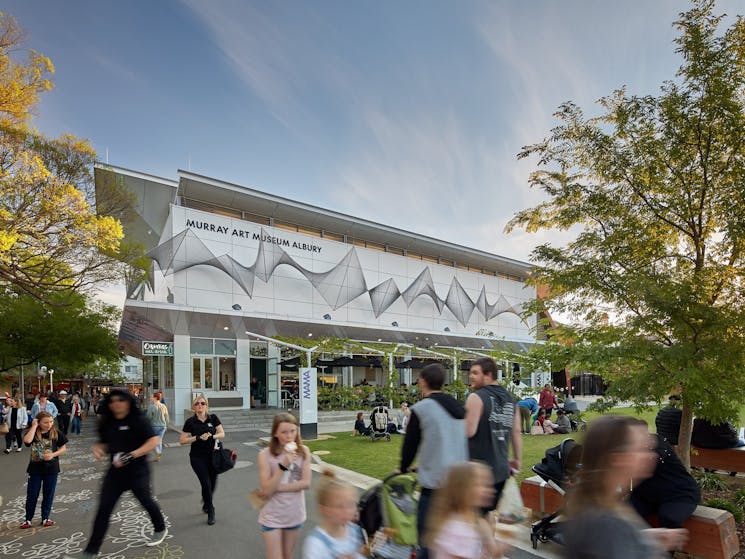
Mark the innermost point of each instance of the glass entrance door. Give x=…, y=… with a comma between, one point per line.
x=202, y=373
x=272, y=382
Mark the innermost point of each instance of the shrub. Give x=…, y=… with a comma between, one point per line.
x=739, y=497
x=711, y=482
x=729, y=506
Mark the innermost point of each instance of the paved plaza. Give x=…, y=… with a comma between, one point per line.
x=236, y=533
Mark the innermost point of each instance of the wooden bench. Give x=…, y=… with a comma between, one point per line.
x=727, y=459
x=712, y=532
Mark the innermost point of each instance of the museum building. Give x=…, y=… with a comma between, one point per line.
x=232, y=265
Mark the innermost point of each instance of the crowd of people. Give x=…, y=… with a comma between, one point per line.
x=464, y=454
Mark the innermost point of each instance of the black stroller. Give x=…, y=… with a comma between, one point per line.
x=558, y=468
x=379, y=420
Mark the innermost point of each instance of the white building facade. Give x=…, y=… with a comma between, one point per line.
x=229, y=262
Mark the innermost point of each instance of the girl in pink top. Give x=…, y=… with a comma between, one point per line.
x=284, y=475
x=456, y=528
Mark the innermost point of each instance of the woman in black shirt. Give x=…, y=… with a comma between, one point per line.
x=200, y=431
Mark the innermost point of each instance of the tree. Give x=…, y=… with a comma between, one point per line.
x=51, y=239
x=656, y=187
x=70, y=337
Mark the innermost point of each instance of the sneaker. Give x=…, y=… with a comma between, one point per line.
x=7, y=451
x=47, y=523
x=158, y=537
x=26, y=524
x=18, y=449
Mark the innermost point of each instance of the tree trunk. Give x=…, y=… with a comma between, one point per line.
x=684, y=437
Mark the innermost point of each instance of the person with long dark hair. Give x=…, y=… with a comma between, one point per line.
x=201, y=431
x=46, y=444
x=126, y=438
x=600, y=522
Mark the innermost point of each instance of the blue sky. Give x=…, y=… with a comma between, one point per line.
x=406, y=113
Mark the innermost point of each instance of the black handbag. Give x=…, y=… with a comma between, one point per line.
x=223, y=459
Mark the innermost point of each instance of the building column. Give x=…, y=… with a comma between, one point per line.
x=181, y=398
x=243, y=370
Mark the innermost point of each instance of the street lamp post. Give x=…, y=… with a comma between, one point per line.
x=51, y=380
x=41, y=375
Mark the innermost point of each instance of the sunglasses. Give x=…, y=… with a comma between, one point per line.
x=200, y=403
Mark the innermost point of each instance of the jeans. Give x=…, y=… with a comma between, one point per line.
x=16, y=434
x=207, y=477
x=421, y=520
x=35, y=483
x=76, y=423
x=159, y=431
x=116, y=482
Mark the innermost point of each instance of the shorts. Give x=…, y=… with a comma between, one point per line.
x=271, y=528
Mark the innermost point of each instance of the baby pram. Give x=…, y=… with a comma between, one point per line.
x=387, y=515
x=379, y=420
x=558, y=468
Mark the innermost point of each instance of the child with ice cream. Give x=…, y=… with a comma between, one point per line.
x=284, y=475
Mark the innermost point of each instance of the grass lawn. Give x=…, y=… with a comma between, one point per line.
x=380, y=458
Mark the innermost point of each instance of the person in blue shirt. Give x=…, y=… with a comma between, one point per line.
x=44, y=405
x=527, y=408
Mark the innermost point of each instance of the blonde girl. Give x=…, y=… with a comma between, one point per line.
x=284, y=475
x=456, y=528
x=336, y=536
x=46, y=445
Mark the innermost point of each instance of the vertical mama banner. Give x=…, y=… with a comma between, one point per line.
x=308, y=393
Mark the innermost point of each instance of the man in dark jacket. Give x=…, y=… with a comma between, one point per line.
x=436, y=430
x=125, y=438
x=64, y=407
x=671, y=493
x=667, y=421
x=707, y=435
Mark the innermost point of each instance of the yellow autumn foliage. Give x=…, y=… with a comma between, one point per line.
x=51, y=239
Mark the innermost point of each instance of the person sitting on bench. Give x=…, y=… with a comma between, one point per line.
x=671, y=493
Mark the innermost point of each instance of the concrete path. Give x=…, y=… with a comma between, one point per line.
x=236, y=534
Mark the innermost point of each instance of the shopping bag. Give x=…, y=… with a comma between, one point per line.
x=510, y=509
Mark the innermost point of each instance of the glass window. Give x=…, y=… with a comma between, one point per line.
x=208, y=380
x=156, y=372
x=227, y=373
x=196, y=363
x=395, y=250
x=284, y=225
x=201, y=346
x=309, y=231
x=258, y=349
x=224, y=347
x=332, y=236
x=168, y=373
x=375, y=246
x=256, y=218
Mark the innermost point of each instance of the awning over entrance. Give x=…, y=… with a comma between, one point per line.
x=160, y=321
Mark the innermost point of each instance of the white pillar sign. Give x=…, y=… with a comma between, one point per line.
x=308, y=401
